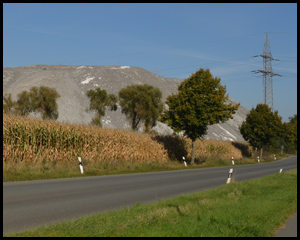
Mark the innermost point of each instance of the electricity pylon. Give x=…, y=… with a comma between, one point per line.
x=267, y=90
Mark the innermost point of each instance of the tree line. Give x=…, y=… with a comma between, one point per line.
x=263, y=128
x=38, y=99
x=201, y=101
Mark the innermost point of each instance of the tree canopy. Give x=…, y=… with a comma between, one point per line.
x=98, y=101
x=8, y=103
x=141, y=103
x=44, y=100
x=38, y=99
x=201, y=101
x=290, y=130
x=261, y=126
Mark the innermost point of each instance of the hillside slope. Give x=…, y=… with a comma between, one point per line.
x=72, y=83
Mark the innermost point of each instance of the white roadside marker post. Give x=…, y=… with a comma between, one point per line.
x=258, y=159
x=80, y=165
x=184, y=161
x=232, y=160
x=274, y=157
x=229, y=175
x=280, y=171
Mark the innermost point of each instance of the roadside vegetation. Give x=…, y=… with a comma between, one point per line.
x=200, y=102
x=263, y=128
x=45, y=149
x=254, y=208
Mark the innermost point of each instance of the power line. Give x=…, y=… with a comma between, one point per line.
x=166, y=48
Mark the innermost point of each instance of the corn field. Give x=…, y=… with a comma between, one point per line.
x=35, y=140
x=214, y=148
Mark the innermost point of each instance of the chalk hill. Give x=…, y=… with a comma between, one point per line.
x=72, y=83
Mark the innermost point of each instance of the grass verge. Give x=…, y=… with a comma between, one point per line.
x=28, y=171
x=254, y=208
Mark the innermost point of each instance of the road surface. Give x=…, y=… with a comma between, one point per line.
x=32, y=203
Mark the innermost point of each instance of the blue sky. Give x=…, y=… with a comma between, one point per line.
x=170, y=40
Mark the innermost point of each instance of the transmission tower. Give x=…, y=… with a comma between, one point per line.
x=267, y=90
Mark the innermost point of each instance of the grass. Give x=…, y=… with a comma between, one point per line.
x=46, y=169
x=254, y=208
x=13, y=172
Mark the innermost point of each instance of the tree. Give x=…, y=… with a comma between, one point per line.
x=291, y=131
x=200, y=101
x=261, y=126
x=141, y=103
x=24, y=104
x=8, y=104
x=111, y=101
x=42, y=99
x=98, y=101
x=293, y=120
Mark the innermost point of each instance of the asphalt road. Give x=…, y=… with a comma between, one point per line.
x=33, y=203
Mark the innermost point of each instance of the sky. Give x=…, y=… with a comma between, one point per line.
x=171, y=40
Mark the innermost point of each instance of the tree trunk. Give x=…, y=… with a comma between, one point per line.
x=193, y=151
x=133, y=123
x=261, y=153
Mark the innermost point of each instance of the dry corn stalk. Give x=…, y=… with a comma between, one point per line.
x=26, y=139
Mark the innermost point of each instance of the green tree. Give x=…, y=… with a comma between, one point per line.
x=111, y=101
x=291, y=131
x=8, y=103
x=44, y=100
x=293, y=120
x=23, y=104
x=98, y=101
x=200, y=101
x=261, y=127
x=38, y=99
x=141, y=103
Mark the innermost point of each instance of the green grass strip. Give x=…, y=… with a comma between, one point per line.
x=254, y=208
